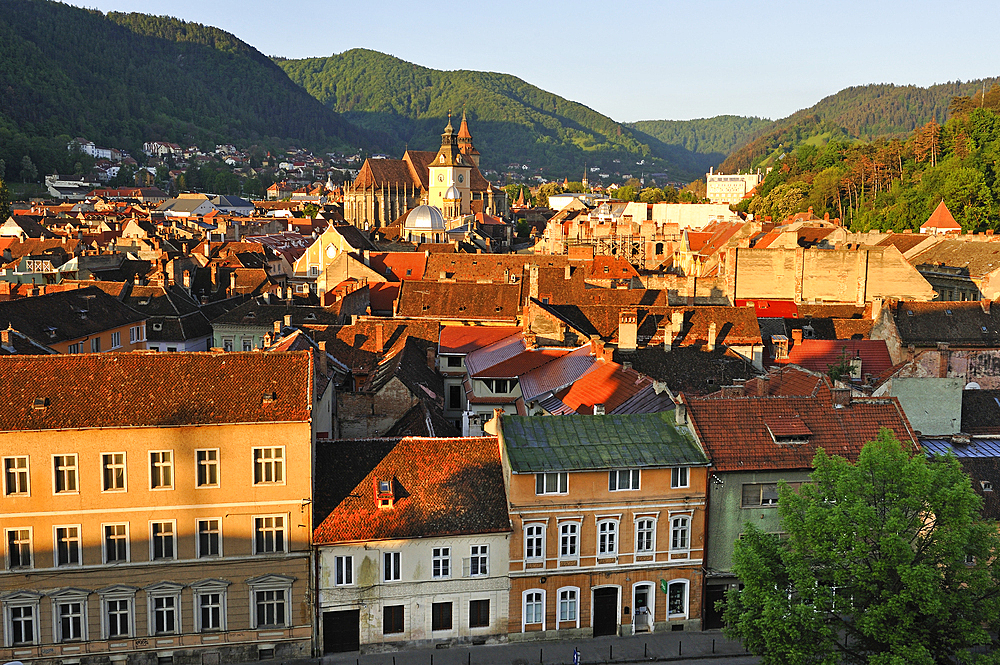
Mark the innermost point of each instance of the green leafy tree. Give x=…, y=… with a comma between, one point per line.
x=310, y=210
x=651, y=195
x=627, y=193
x=29, y=172
x=887, y=561
x=545, y=191
x=4, y=200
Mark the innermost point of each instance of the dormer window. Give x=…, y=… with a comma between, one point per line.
x=986, y=485
x=384, y=496
x=788, y=430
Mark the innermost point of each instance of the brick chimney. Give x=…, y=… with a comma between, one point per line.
x=277, y=327
x=431, y=358
x=944, y=357
x=796, y=337
x=322, y=358
x=5, y=336
x=288, y=320
x=841, y=396
x=379, y=341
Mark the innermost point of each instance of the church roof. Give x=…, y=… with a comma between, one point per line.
x=941, y=218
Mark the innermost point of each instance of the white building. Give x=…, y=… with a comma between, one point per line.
x=722, y=188
x=415, y=552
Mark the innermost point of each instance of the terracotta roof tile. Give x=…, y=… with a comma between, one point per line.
x=450, y=300
x=465, y=339
x=820, y=354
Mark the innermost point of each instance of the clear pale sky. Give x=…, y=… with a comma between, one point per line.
x=641, y=60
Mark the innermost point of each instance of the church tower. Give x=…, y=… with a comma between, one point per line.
x=465, y=141
x=450, y=168
x=586, y=185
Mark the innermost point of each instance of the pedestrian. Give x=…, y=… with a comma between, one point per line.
x=576, y=656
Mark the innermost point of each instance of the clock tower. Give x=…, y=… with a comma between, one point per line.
x=450, y=168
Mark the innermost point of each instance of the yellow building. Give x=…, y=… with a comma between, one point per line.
x=156, y=507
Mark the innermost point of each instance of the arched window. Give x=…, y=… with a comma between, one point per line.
x=677, y=598
x=534, y=608
x=659, y=248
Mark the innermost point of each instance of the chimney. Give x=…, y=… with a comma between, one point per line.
x=712, y=331
x=668, y=337
x=288, y=293
x=187, y=280
x=492, y=426
x=267, y=297
x=734, y=391
x=441, y=275
x=680, y=412
x=796, y=337
x=379, y=341
x=627, y=329
x=277, y=327
x=985, y=304
x=566, y=274
x=288, y=320
x=208, y=249
x=232, y=281
x=366, y=254
x=944, y=356
x=431, y=357
x=856, y=367
x=841, y=396
x=598, y=409
x=530, y=340
x=533, y=281
x=596, y=346
x=215, y=274
x=5, y=336
x=322, y=358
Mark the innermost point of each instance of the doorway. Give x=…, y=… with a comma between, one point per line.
x=713, y=594
x=642, y=603
x=341, y=631
x=605, y=611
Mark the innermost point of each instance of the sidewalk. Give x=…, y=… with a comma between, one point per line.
x=655, y=647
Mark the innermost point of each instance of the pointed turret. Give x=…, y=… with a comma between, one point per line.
x=465, y=141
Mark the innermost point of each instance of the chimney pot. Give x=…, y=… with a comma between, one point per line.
x=379, y=340
x=322, y=358
x=288, y=320
x=712, y=332
x=598, y=409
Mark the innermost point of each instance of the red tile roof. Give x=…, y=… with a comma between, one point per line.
x=820, y=354
x=154, y=389
x=465, y=339
x=941, y=218
x=522, y=363
x=608, y=383
x=451, y=300
x=396, y=264
x=440, y=487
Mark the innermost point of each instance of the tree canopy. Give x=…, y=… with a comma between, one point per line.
x=886, y=561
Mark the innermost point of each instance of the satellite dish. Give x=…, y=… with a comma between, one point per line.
x=972, y=385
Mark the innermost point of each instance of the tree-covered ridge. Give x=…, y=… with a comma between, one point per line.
x=512, y=120
x=123, y=79
x=719, y=135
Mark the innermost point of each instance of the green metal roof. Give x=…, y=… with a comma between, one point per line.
x=581, y=443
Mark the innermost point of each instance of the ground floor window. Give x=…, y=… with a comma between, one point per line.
x=534, y=607
x=441, y=616
x=677, y=598
x=392, y=619
x=479, y=613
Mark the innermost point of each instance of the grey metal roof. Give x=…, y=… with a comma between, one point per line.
x=975, y=447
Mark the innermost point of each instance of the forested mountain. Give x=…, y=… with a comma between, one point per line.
x=121, y=79
x=511, y=121
x=710, y=139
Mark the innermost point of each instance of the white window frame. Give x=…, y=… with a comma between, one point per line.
x=197, y=542
x=159, y=591
x=261, y=528
x=207, y=587
x=574, y=537
x=607, y=538
x=559, y=605
x=137, y=334
x=524, y=608
x=105, y=466
x=675, y=529
x=652, y=598
x=17, y=600
x=104, y=543
x=79, y=544
x=275, y=464
x=687, y=598
x=630, y=476
x=26, y=470
x=639, y=531
x=69, y=470
x=392, y=566
x=152, y=539
x=207, y=464
x=343, y=570
x=539, y=539
x=117, y=593
x=559, y=477
x=116, y=339
x=160, y=465
x=479, y=561
x=65, y=597
x=441, y=563
x=31, y=547
x=680, y=477
x=275, y=583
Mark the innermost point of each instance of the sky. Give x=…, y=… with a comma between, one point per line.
x=643, y=60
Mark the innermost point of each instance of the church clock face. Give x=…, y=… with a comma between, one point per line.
x=461, y=178
x=440, y=177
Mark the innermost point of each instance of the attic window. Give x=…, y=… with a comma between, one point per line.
x=426, y=307
x=788, y=430
x=157, y=326
x=250, y=315
x=388, y=270
x=384, y=495
x=499, y=308
x=409, y=271
x=269, y=398
x=986, y=485
x=909, y=312
x=311, y=316
x=144, y=302
x=40, y=403
x=947, y=312
x=52, y=332
x=606, y=269
x=984, y=329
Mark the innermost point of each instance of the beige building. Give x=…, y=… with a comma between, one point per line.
x=156, y=507
x=731, y=188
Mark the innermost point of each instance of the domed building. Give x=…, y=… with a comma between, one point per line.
x=448, y=179
x=424, y=224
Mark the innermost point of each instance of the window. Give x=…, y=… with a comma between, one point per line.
x=137, y=334
x=116, y=340
x=677, y=598
x=115, y=543
x=607, y=542
x=441, y=616
x=247, y=344
x=269, y=534
x=15, y=476
x=479, y=562
x=227, y=345
x=479, y=613
x=19, y=548
x=343, y=570
x=164, y=608
x=209, y=605
x=454, y=397
x=70, y=621
x=534, y=542
x=441, y=562
x=760, y=494
x=534, y=606
x=162, y=540
x=568, y=540
x=645, y=535
x=161, y=469
x=268, y=465
x=22, y=622
x=119, y=618
x=270, y=608
x=74, y=348
x=95, y=345
x=552, y=483
x=623, y=479
x=391, y=570
x=679, y=476
x=567, y=605
x=454, y=361
x=113, y=472
x=208, y=467
x=209, y=537
x=65, y=473
x=392, y=619
x=67, y=546
x=679, y=533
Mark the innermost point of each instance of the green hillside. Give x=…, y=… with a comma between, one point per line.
x=122, y=79
x=511, y=121
x=705, y=141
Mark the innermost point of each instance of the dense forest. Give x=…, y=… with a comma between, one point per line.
x=894, y=182
x=122, y=79
x=512, y=121
x=706, y=140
